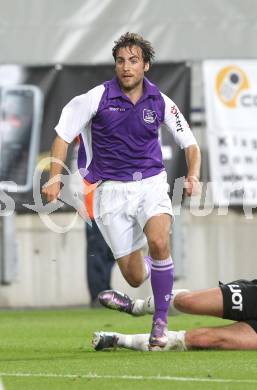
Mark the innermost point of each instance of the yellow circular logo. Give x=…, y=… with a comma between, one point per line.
x=230, y=81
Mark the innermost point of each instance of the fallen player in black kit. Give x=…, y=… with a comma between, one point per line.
x=234, y=301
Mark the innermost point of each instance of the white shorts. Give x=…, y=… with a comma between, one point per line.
x=121, y=210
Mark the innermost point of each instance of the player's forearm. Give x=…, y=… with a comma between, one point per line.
x=193, y=159
x=59, y=154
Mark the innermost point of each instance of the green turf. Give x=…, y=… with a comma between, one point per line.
x=58, y=343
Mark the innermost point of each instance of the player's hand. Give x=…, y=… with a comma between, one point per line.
x=192, y=186
x=51, y=189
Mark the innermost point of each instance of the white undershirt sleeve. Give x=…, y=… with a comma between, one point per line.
x=177, y=125
x=77, y=114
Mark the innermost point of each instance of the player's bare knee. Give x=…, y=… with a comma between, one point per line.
x=135, y=280
x=159, y=247
x=134, y=283
x=184, y=301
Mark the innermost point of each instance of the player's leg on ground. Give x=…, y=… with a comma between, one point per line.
x=140, y=342
x=238, y=335
x=157, y=230
x=205, y=302
x=137, y=342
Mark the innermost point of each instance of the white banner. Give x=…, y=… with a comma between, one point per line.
x=231, y=113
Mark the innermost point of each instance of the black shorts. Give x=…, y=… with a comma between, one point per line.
x=240, y=301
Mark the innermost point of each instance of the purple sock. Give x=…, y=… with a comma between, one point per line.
x=162, y=282
x=148, y=266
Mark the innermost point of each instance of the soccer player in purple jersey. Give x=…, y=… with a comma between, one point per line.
x=118, y=123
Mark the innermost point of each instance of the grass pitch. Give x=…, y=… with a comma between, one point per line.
x=52, y=350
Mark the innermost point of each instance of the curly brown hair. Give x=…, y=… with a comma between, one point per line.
x=133, y=39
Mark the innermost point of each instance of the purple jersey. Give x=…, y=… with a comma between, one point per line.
x=119, y=139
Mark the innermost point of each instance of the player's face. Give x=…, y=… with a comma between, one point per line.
x=130, y=67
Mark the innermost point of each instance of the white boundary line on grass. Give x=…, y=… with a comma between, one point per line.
x=127, y=377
